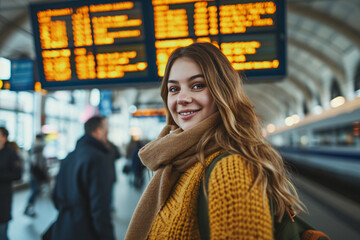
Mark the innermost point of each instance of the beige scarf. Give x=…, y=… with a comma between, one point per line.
x=171, y=154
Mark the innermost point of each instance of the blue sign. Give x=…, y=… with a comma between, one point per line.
x=105, y=105
x=22, y=75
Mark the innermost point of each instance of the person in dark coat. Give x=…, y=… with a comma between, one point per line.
x=137, y=167
x=10, y=170
x=83, y=187
x=38, y=173
x=114, y=154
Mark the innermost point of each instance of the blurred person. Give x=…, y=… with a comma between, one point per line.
x=136, y=165
x=10, y=170
x=131, y=147
x=38, y=172
x=14, y=146
x=114, y=155
x=20, y=153
x=83, y=188
x=210, y=116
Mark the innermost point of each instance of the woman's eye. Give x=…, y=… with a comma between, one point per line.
x=173, y=89
x=199, y=86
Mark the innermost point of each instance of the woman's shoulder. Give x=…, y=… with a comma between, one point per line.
x=232, y=166
x=229, y=159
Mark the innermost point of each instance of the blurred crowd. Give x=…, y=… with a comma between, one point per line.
x=87, y=171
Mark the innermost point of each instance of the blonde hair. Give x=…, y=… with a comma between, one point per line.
x=239, y=130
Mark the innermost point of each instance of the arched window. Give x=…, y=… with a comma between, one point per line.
x=357, y=79
x=335, y=89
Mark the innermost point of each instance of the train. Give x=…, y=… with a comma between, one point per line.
x=325, y=147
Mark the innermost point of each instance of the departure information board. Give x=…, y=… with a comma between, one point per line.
x=100, y=43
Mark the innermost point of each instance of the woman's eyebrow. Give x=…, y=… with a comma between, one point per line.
x=172, y=81
x=190, y=78
x=196, y=76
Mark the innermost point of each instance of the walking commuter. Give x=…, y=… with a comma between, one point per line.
x=10, y=170
x=83, y=188
x=209, y=117
x=137, y=167
x=134, y=164
x=131, y=147
x=114, y=155
x=38, y=173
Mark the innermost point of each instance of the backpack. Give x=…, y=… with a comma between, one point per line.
x=290, y=228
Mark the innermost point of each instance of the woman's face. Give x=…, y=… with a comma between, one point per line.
x=189, y=99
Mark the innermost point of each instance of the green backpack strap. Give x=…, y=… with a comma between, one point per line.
x=203, y=210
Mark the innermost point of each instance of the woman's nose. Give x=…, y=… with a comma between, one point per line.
x=184, y=97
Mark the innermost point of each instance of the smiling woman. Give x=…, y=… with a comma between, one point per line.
x=189, y=100
x=211, y=129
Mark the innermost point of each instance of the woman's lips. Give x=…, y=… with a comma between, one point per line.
x=188, y=114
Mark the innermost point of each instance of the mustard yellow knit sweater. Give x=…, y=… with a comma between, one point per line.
x=231, y=214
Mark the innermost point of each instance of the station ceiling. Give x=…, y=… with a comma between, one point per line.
x=323, y=44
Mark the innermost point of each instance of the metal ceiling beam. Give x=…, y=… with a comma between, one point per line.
x=335, y=68
x=315, y=83
x=306, y=91
x=275, y=106
x=255, y=91
x=341, y=27
x=283, y=95
x=316, y=89
x=293, y=94
x=12, y=27
x=309, y=95
x=264, y=111
x=321, y=40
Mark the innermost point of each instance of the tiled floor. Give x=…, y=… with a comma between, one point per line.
x=329, y=212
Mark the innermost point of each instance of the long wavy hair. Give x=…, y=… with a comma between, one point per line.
x=239, y=130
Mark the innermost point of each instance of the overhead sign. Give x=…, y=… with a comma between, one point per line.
x=99, y=43
x=105, y=105
x=22, y=75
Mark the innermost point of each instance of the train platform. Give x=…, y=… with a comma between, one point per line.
x=330, y=212
x=346, y=165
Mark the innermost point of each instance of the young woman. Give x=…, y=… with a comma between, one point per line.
x=208, y=113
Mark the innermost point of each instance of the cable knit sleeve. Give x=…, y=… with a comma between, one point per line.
x=232, y=215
